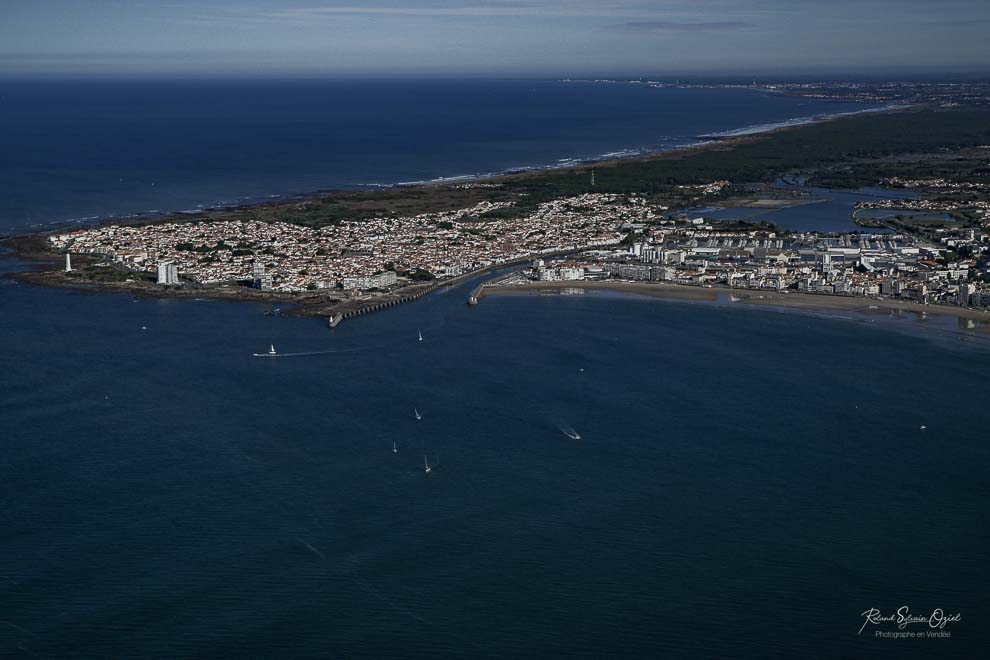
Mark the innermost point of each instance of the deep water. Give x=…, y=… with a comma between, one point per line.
x=79, y=150
x=746, y=482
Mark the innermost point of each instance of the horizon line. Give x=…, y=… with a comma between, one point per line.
x=802, y=75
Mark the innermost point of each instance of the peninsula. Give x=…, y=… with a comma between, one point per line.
x=340, y=253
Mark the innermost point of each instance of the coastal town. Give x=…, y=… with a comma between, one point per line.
x=872, y=265
x=919, y=235
x=590, y=237
x=357, y=255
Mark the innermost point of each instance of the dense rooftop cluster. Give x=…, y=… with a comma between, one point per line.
x=299, y=258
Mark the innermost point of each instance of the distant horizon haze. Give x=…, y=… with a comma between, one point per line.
x=540, y=38
x=670, y=77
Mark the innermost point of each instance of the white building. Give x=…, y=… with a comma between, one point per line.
x=569, y=274
x=965, y=292
x=167, y=273
x=261, y=279
x=379, y=281
x=650, y=255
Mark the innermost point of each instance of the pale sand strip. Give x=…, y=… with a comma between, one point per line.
x=809, y=301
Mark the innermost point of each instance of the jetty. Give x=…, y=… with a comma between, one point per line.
x=476, y=294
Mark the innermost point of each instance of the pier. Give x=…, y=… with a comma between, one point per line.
x=338, y=317
x=476, y=294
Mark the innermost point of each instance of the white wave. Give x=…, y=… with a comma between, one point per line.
x=797, y=121
x=459, y=177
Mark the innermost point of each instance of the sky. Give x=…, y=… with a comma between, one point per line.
x=560, y=38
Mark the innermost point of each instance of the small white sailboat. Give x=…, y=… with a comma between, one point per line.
x=420, y=335
x=271, y=352
x=426, y=465
x=418, y=416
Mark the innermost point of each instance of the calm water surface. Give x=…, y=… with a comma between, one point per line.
x=79, y=150
x=746, y=483
x=831, y=210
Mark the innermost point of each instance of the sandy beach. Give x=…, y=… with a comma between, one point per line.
x=792, y=300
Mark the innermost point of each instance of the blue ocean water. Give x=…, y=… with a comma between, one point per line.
x=747, y=482
x=85, y=149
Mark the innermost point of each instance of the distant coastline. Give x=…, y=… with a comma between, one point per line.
x=717, y=140
x=703, y=140
x=16, y=241
x=764, y=128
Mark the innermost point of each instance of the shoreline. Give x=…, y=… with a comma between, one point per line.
x=715, y=141
x=33, y=246
x=333, y=308
x=752, y=297
x=759, y=129
x=304, y=304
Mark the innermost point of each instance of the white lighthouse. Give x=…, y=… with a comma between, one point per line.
x=68, y=262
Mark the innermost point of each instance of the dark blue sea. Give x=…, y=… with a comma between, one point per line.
x=76, y=151
x=747, y=481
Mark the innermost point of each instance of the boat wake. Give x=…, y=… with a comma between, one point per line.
x=303, y=354
x=570, y=433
